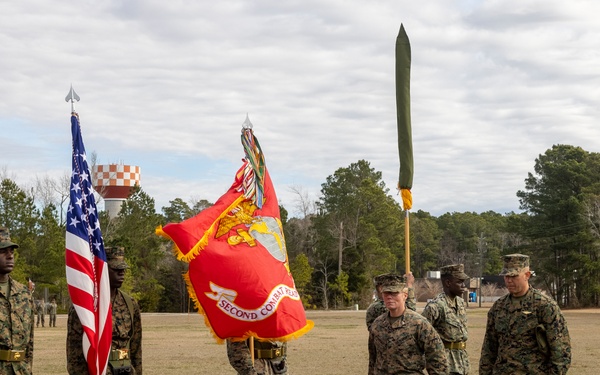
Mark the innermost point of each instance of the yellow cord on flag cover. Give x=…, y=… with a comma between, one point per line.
x=406, y=198
x=407, y=205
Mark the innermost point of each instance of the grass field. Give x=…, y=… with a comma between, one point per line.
x=181, y=344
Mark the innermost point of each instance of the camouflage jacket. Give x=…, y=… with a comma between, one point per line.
x=510, y=344
x=51, y=308
x=449, y=318
x=408, y=346
x=378, y=307
x=40, y=308
x=240, y=358
x=124, y=329
x=16, y=327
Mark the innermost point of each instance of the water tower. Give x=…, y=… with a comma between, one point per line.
x=114, y=183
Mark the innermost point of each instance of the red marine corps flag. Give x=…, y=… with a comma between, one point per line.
x=239, y=274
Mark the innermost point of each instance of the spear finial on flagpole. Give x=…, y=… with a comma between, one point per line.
x=72, y=97
x=247, y=124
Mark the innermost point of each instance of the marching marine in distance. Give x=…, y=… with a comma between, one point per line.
x=51, y=308
x=40, y=310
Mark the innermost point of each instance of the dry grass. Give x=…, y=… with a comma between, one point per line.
x=180, y=344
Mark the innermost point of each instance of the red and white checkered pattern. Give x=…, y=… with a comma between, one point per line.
x=116, y=175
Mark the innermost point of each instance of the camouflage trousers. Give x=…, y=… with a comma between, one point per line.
x=110, y=371
x=270, y=367
x=40, y=317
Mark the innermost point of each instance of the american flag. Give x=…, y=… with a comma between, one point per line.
x=85, y=258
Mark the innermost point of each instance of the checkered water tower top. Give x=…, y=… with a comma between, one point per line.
x=115, y=181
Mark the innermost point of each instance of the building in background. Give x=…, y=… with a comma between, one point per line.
x=114, y=183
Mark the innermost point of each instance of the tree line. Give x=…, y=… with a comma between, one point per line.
x=338, y=243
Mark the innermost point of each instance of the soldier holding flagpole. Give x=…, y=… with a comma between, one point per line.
x=266, y=358
x=16, y=314
x=239, y=275
x=126, y=349
x=104, y=324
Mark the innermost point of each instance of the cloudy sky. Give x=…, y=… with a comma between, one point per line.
x=167, y=85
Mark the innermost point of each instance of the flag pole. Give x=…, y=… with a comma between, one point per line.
x=249, y=147
x=403, y=61
x=407, y=241
x=85, y=257
x=252, y=349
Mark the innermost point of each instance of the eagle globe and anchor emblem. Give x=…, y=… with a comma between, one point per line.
x=268, y=232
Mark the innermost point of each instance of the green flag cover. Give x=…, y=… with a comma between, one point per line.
x=403, y=116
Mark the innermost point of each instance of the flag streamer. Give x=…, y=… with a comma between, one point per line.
x=254, y=173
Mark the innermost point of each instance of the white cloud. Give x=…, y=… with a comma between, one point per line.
x=167, y=86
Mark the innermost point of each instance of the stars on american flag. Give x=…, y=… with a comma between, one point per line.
x=82, y=213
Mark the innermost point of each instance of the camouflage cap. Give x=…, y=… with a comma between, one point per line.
x=393, y=283
x=380, y=279
x=454, y=270
x=514, y=264
x=116, y=257
x=5, y=239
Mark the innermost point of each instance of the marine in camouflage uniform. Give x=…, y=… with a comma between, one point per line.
x=126, y=326
x=378, y=307
x=402, y=341
x=16, y=315
x=511, y=345
x=269, y=357
x=40, y=309
x=447, y=314
x=51, y=308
